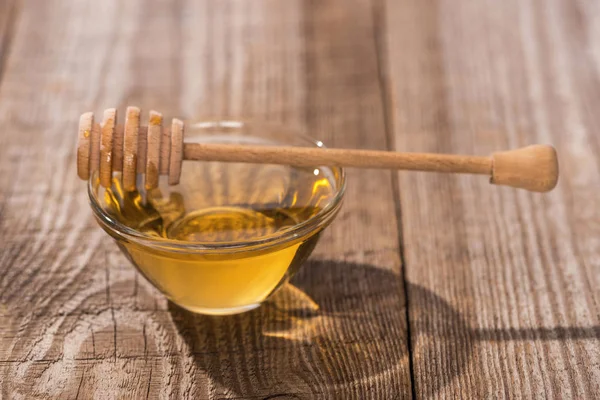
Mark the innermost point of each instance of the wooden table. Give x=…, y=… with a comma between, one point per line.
x=426, y=285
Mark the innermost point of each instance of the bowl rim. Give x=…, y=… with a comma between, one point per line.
x=311, y=226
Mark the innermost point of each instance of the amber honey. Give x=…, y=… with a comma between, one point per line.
x=228, y=236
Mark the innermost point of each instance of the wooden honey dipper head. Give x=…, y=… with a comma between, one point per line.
x=153, y=150
x=130, y=148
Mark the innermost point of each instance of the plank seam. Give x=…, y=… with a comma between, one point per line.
x=6, y=42
x=379, y=29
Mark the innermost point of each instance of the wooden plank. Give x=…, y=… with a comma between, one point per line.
x=502, y=284
x=75, y=318
x=8, y=18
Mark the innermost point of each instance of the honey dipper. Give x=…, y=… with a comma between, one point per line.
x=154, y=150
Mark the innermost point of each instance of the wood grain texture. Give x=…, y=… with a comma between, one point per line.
x=153, y=150
x=108, y=126
x=311, y=156
x=8, y=17
x=131, y=134
x=76, y=320
x=502, y=285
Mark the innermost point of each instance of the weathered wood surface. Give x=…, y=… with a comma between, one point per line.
x=8, y=14
x=502, y=285
x=76, y=321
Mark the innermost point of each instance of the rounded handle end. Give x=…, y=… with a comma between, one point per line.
x=534, y=168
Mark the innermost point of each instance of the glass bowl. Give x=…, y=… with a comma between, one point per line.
x=229, y=234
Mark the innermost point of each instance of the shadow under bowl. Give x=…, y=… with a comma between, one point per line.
x=229, y=234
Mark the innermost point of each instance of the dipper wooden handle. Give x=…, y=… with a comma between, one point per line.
x=533, y=168
x=160, y=152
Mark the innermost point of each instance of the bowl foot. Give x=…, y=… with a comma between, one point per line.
x=221, y=311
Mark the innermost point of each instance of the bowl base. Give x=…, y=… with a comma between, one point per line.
x=221, y=311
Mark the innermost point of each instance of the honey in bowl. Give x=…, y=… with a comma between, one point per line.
x=229, y=234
